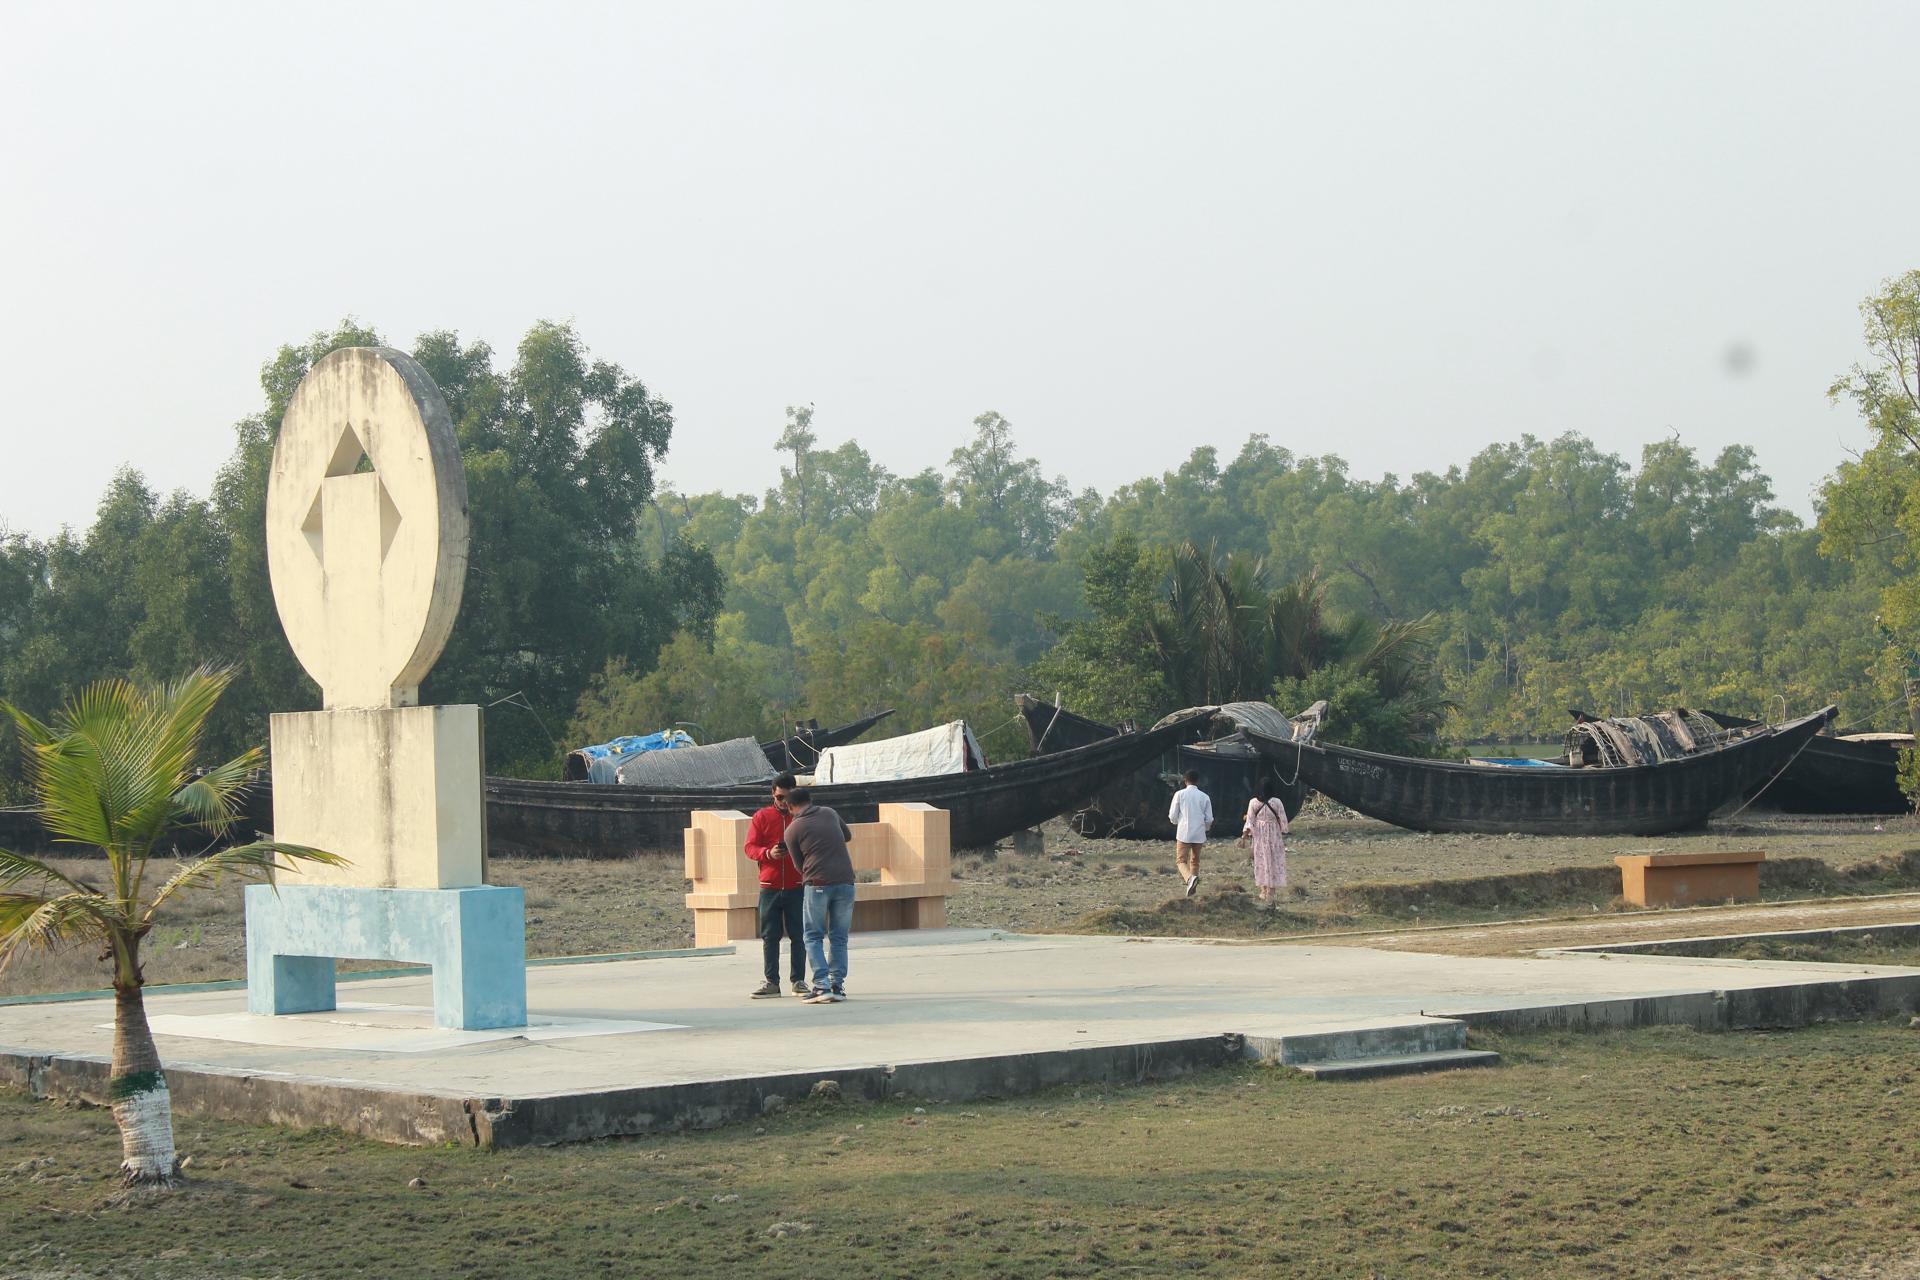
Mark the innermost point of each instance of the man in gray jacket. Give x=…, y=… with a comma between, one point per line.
x=817, y=838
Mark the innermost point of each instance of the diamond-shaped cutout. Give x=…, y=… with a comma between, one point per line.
x=349, y=458
x=349, y=455
x=389, y=521
x=311, y=525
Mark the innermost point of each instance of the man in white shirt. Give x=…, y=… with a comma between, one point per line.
x=1191, y=814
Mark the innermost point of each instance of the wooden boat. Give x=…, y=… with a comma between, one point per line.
x=1134, y=806
x=1645, y=799
x=589, y=820
x=1852, y=773
x=795, y=753
x=584, y=819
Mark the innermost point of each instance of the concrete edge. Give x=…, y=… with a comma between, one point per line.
x=1723, y=962
x=1796, y=1004
x=1708, y=945
x=427, y=1119
x=297, y=1102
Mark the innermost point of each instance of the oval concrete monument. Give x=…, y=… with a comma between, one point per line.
x=367, y=526
x=367, y=548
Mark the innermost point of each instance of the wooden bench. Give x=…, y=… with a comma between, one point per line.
x=910, y=846
x=1682, y=879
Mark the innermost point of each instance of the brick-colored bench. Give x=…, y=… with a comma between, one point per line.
x=1682, y=879
x=910, y=846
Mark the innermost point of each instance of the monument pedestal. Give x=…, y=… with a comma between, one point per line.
x=398, y=790
x=475, y=939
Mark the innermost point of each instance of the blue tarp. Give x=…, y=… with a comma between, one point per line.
x=1518, y=762
x=598, y=763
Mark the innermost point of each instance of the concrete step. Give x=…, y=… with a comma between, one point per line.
x=1399, y=1064
x=1383, y=1040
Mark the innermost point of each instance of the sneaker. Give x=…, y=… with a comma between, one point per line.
x=766, y=989
x=801, y=989
x=839, y=994
x=821, y=996
x=1193, y=885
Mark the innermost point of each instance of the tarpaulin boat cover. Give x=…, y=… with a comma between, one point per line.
x=1625, y=741
x=949, y=748
x=724, y=764
x=1516, y=762
x=598, y=763
x=1262, y=718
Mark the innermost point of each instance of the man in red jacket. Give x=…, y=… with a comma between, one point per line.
x=783, y=893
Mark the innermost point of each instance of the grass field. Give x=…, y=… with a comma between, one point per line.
x=1646, y=1154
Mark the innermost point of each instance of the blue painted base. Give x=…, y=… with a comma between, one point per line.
x=475, y=939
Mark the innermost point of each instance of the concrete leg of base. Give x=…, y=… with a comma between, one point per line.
x=474, y=938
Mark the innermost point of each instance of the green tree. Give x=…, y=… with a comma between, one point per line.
x=1202, y=627
x=114, y=771
x=720, y=694
x=798, y=439
x=1101, y=666
x=927, y=676
x=560, y=450
x=1870, y=508
x=1012, y=505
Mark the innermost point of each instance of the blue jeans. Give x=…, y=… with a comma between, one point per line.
x=829, y=916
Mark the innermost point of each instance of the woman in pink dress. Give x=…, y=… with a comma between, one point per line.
x=1266, y=827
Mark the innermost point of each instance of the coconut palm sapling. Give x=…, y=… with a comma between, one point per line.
x=114, y=771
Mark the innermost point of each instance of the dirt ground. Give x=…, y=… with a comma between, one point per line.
x=583, y=907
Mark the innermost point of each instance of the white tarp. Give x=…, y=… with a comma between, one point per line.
x=949, y=748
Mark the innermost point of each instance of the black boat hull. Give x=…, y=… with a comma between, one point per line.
x=1134, y=806
x=576, y=819
x=1833, y=776
x=590, y=820
x=1442, y=796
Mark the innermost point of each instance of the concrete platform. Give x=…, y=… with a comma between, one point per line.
x=658, y=1044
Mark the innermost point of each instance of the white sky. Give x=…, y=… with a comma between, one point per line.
x=1394, y=232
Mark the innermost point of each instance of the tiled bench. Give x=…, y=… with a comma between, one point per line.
x=910, y=846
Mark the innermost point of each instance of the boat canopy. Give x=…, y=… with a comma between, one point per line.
x=1625, y=741
x=598, y=763
x=947, y=748
x=735, y=762
x=1262, y=718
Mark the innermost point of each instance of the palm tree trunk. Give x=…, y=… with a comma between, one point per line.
x=142, y=1107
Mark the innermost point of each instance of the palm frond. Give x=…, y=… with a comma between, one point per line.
x=213, y=798
x=75, y=796
x=15, y=867
x=30, y=922
x=161, y=747
x=32, y=730
x=258, y=861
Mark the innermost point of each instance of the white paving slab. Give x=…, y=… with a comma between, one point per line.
x=928, y=998
x=377, y=1028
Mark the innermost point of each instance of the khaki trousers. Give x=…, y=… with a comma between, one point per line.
x=1187, y=857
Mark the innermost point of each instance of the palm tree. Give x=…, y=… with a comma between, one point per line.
x=1211, y=632
x=114, y=772
x=1224, y=631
